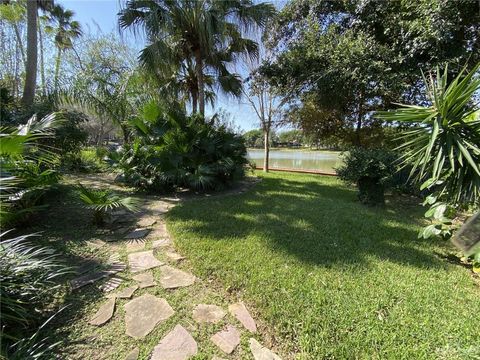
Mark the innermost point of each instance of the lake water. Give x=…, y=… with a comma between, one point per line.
x=324, y=161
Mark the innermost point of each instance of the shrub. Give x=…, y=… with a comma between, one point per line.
x=28, y=280
x=83, y=161
x=371, y=170
x=103, y=201
x=174, y=150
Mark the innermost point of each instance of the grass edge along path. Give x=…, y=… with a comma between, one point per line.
x=333, y=278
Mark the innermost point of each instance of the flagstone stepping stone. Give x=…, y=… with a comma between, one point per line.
x=174, y=255
x=217, y=358
x=90, y=278
x=241, y=313
x=125, y=293
x=227, y=340
x=111, y=284
x=178, y=344
x=204, y=313
x=133, y=355
x=104, y=313
x=172, y=278
x=260, y=352
x=135, y=245
x=144, y=260
x=146, y=222
x=137, y=234
x=86, y=266
x=114, y=258
x=161, y=243
x=161, y=207
x=142, y=314
x=145, y=279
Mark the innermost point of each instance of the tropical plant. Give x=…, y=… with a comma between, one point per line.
x=26, y=172
x=206, y=34
x=174, y=150
x=371, y=170
x=104, y=201
x=28, y=283
x=65, y=30
x=443, y=145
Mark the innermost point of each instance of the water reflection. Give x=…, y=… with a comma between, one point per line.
x=303, y=160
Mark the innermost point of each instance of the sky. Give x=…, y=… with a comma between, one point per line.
x=102, y=14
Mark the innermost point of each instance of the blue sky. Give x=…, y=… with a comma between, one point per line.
x=103, y=13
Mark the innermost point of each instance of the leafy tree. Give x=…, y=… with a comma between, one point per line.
x=353, y=57
x=293, y=136
x=205, y=34
x=252, y=136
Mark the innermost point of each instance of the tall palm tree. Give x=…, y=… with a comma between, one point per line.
x=65, y=31
x=208, y=33
x=32, y=50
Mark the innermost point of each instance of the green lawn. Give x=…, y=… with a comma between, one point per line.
x=333, y=278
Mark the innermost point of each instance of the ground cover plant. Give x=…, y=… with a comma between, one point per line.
x=334, y=278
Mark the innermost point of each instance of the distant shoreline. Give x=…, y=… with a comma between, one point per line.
x=297, y=149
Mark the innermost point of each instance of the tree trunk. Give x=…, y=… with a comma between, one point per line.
x=358, y=141
x=266, y=143
x=20, y=43
x=42, y=59
x=194, y=102
x=31, y=68
x=57, y=68
x=201, y=88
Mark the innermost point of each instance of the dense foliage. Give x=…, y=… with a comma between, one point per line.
x=371, y=170
x=348, y=58
x=172, y=149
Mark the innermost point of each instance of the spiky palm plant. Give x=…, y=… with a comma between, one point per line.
x=28, y=280
x=443, y=144
x=104, y=201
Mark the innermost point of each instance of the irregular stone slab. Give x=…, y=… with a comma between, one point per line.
x=217, y=358
x=133, y=355
x=161, y=243
x=145, y=279
x=125, y=293
x=145, y=260
x=146, y=222
x=174, y=255
x=172, y=278
x=104, y=313
x=227, y=340
x=114, y=258
x=90, y=278
x=137, y=234
x=111, y=284
x=161, y=207
x=204, y=313
x=262, y=353
x=135, y=245
x=241, y=313
x=178, y=344
x=142, y=314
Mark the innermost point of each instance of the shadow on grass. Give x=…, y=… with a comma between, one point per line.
x=318, y=222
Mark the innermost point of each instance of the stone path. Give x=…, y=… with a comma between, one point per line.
x=143, y=310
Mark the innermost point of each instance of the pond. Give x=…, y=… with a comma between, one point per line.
x=322, y=161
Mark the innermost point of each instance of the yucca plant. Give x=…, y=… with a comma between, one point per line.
x=443, y=145
x=103, y=201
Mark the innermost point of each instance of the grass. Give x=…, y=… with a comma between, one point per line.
x=332, y=278
x=67, y=227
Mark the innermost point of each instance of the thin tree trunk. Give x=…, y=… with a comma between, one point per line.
x=20, y=43
x=57, y=68
x=358, y=140
x=201, y=87
x=31, y=68
x=194, y=102
x=266, y=142
x=42, y=59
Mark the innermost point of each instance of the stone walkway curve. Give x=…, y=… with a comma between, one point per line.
x=143, y=295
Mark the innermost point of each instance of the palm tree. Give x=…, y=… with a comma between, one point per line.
x=32, y=50
x=207, y=33
x=65, y=30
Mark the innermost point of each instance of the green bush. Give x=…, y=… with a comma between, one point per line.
x=28, y=284
x=83, y=161
x=172, y=150
x=371, y=170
